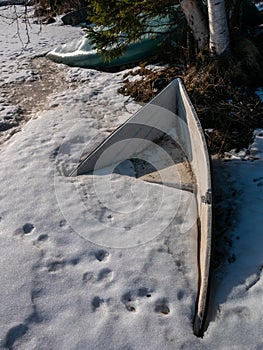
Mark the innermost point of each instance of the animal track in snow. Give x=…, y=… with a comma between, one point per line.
x=42, y=238
x=14, y=334
x=180, y=294
x=161, y=306
x=62, y=223
x=102, y=255
x=96, y=303
x=105, y=274
x=258, y=179
x=54, y=153
x=26, y=229
x=131, y=299
x=56, y=265
x=88, y=277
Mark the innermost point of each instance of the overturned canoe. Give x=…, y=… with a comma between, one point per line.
x=81, y=53
x=170, y=116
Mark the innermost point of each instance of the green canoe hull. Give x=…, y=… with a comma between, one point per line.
x=80, y=53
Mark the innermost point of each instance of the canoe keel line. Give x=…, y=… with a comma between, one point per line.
x=170, y=113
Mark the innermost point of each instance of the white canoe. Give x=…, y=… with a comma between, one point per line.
x=168, y=118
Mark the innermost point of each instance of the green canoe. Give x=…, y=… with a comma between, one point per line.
x=81, y=53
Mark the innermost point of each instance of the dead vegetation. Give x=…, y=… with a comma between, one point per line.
x=47, y=10
x=221, y=91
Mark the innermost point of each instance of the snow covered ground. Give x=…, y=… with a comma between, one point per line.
x=260, y=6
x=61, y=288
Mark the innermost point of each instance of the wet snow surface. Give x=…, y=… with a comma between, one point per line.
x=66, y=280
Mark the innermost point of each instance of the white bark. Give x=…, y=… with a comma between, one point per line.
x=218, y=27
x=196, y=21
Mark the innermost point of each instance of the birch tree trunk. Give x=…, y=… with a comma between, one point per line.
x=196, y=21
x=218, y=27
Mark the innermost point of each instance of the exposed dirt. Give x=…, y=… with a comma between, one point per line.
x=32, y=95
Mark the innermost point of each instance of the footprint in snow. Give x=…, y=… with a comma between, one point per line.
x=42, y=238
x=88, y=277
x=105, y=274
x=96, y=303
x=131, y=299
x=14, y=334
x=62, y=223
x=102, y=255
x=57, y=265
x=180, y=295
x=257, y=179
x=26, y=229
x=161, y=306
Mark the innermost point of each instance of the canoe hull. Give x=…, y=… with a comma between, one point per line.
x=171, y=112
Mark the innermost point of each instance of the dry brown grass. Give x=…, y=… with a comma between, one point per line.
x=221, y=91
